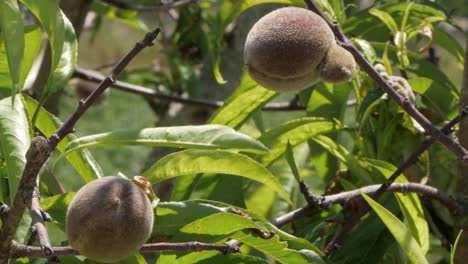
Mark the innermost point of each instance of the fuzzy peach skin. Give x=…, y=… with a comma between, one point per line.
x=285, y=49
x=109, y=219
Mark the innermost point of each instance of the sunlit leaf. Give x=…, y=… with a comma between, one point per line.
x=247, y=99
x=197, y=137
x=129, y=17
x=32, y=36
x=12, y=33
x=220, y=224
x=386, y=18
x=50, y=17
x=15, y=138
x=56, y=206
x=441, y=100
x=276, y=249
x=399, y=231
x=294, y=132
x=191, y=162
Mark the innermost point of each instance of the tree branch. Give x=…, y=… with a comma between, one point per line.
x=329, y=200
x=160, y=7
x=19, y=250
x=41, y=148
x=150, y=93
x=38, y=228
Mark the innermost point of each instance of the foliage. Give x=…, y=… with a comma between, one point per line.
x=343, y=136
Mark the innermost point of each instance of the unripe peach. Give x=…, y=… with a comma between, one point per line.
x=109, y=219
x=285, y=49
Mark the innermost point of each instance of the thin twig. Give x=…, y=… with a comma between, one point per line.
x=405, y=103
x=160, y=7
x=41, y=148
x=342, y=198
x=150, y=93
x=19, y=250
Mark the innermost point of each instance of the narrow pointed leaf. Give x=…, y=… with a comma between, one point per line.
x=15, y=138
x=190, y=162
x=12, y=33
x=62, y=42
x=198, y=137
x=220, y=224
x=410, y=206
x=386, y=18
x=454, y=247
x=399, y=231
x=294, y=132
x=82, y=161
x=215, y=258
x=247, y=99
x=275, y=249
x=68, y=57
x=32, y=36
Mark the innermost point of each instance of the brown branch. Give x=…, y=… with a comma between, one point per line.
x=150, y=93
x=136, y=7
x=38, y=228
x=19, y=250
x=329, y=200
x=41, y=148
x=404, y=103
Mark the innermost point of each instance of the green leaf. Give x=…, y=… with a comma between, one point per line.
x=67, y=62
x=15, y=138
x=294, y=132
x=82, y=161
x=289, y=155
x=248, y=98
x=220, y=224
x=49, y=15
x=32, y=36
x=172, y=216
x=441, y=100
x=410, y=206
x=275, y=249
x=57, y=207
x=366, y=48
x=328, y=101
x=421, y=67
x=386, y=18
x=129, y=17
x=62, y=40
x=190, y=162
x=399, y=231
x=215, y=258
x=12, y=32
x=198, y=137
x=454, y=247
x=449, y=43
